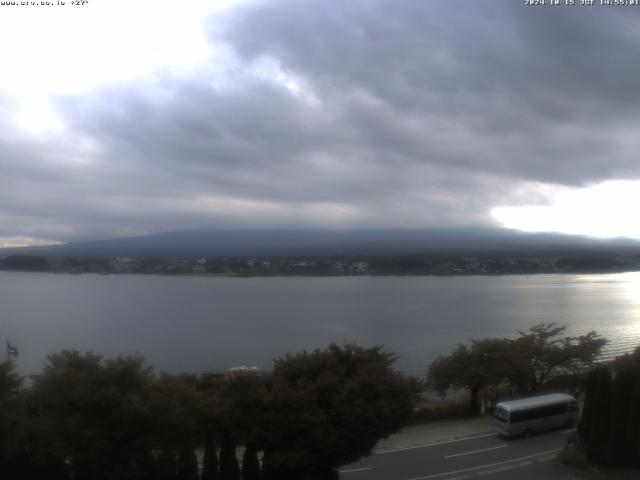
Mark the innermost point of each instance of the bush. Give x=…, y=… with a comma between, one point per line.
x=575, y=457
x=444, y=410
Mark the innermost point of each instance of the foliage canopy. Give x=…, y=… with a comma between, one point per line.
x=526, y=362
x=90, y=418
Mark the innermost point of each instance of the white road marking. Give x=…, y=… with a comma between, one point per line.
x=545, y=459
x=352, y=470
x=479, y=467
x=476, y=451
x=497, y=470
x=425, y=445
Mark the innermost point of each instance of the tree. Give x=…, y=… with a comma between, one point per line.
x=92, y=415
x=632, y=430
x=12, y=441
x=24, y=262
x=250, y=463
x=187, y=463
x=166, y=465
x=330, y=407
x=527, y=362
x=239, y=403
x=473, y=367
x=210, y=418
x=232, y=407
x=542, y=352
x=174, y=403
x=595, y=426
x=608, y=429
x=210, y=460
x=229, y=467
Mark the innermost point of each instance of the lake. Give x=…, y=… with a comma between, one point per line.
x=212, y=323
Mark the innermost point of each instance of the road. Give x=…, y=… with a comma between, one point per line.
x=487, y=456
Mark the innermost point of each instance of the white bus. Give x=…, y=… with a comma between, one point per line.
x=528, y=415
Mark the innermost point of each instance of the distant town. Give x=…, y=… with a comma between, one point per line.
x=484, y=264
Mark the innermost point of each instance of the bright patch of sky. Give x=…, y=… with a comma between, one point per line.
x=605, y=210
x=70, y=50
x=14, y=242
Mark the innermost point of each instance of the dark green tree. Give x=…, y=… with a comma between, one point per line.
x=12, y=423
x=91, y=415
x=187, y=464
x=330, y=407
x=210, y=459
x=166, y=465
x=174, y=403
x=633, y=433
x=211, y=418
x=595, y=425
x=542, y=352
x=481, y=364
x=624, y=437
x=250, y=463
x=608, y=429
x=527, y=362
x=243, y=404
x=229, y=467
x=632, y=430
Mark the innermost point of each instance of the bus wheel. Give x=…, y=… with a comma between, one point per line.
x=528, y=432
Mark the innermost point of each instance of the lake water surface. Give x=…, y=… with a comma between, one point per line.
x=206, y=323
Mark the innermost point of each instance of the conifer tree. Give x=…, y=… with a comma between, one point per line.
x=210, y=460
x=633, y=422
x=167, y=468
x=188, y=464
x=267, y=469
x=625, y=433
x=598, y=405
x=11, y=445
x=229, y=467
x=602, y=421
x=250, y=464
x=609, y=425
x=619, y=452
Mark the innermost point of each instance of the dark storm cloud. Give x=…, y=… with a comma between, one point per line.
x=358, y=113
x=537, y=91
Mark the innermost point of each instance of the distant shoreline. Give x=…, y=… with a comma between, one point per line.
x=505, y=263
x=328, y=275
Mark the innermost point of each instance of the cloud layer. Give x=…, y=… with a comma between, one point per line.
x=365, y=113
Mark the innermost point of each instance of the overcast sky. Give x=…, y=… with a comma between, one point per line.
x=123, y=118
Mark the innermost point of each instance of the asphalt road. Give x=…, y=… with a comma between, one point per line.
x=488, y=456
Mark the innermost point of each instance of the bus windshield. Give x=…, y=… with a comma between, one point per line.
x=501, y=414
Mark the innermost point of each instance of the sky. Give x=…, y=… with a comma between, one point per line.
x=122, y=118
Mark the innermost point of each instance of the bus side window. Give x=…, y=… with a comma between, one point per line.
x=539, y=412
x=516, y=417
x=558, y=409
